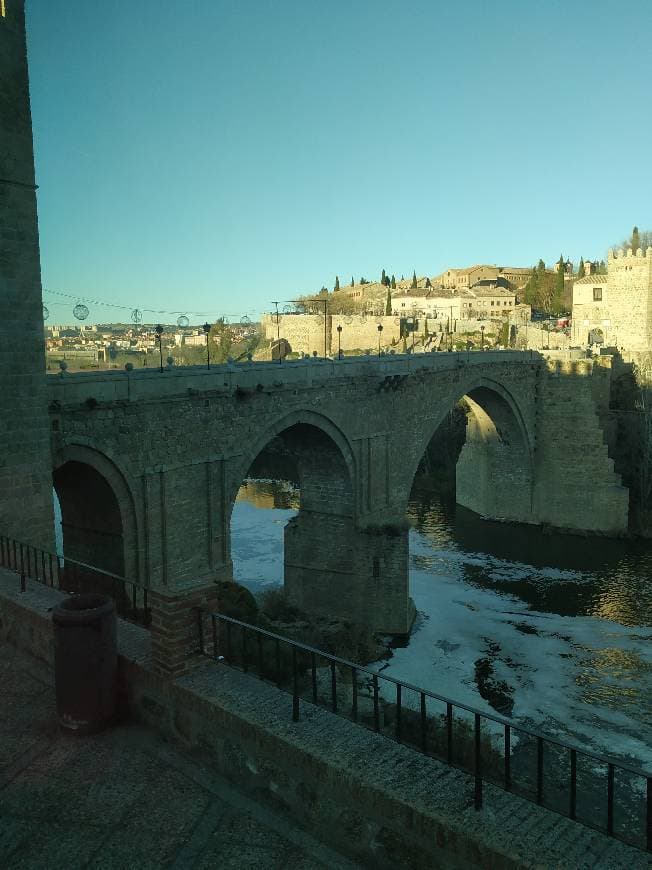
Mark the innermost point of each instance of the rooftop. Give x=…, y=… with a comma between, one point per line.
x=593, y=279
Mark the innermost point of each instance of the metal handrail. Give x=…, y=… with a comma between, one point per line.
x=248, y=659
x=50, y=569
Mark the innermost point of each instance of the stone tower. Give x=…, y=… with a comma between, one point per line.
x=25, y=465
x=630, y=298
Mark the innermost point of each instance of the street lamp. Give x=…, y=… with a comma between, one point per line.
x=159, y=333
x=380, y=331
x=482, y=337
x=207, y=328
x=339, y=341
x=278, y=335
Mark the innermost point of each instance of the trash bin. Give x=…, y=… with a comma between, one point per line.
x=85, y=662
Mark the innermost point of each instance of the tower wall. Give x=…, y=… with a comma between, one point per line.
x=630, y=298
x=25, y=464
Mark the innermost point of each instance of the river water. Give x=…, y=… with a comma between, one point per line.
x=555, y=631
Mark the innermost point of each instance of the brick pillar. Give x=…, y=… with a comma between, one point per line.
x=174, y=627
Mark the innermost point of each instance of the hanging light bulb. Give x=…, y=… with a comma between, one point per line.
x=80, y=311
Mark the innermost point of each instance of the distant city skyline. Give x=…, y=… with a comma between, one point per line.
x=218, y=157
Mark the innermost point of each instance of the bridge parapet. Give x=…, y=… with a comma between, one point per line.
x=151, y=384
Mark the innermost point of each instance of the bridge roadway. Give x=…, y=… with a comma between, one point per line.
x=147, y=464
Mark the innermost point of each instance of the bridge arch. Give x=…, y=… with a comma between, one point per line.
x=97, y=510
x=334, y=439
x=319, y=542
x=495, y=473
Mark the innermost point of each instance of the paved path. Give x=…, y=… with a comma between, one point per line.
x=124, y=798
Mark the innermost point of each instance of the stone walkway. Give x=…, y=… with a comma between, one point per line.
x=124, y=798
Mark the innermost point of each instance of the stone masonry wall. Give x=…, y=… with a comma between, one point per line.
x=630, y=298
x=305, y=332
x=25, y=471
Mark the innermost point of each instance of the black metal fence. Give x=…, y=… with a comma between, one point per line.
x=71, y=575
x=598, y=792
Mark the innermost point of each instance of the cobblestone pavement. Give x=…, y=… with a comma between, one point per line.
x=124, y=798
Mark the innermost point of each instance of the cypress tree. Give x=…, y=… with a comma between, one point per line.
x=393, y=283
x=581, y=272
x=558, y=290
x=636, y=239
x=388, y=303
x=413, y=285
x=382, y=278
x=337, y=283
x=352, y=281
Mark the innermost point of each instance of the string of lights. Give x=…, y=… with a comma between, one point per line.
x=81, y=310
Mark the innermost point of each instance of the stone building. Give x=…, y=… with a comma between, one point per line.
x=509, y=277
x=616, y=309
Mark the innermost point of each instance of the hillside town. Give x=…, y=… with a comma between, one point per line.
x=476, y=307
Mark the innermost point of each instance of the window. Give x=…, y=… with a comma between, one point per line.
x=597, y=294
x=3, y=10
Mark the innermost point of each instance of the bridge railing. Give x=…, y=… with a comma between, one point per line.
x=71, y=575
x=596, y=791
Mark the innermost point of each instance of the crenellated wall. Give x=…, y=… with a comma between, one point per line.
x=630, y=298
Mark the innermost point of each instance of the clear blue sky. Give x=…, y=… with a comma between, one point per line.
x=214, y=156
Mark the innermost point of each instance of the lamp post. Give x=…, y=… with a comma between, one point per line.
x=380, y=331
x=159, y=333
x=278, y=335
x=482, y=337
x=339, y=341
x=207, y=328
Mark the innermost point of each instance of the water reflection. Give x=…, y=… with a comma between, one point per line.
x=564, y=574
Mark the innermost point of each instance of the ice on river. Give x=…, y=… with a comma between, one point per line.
x=571, y=676
x=581, y=678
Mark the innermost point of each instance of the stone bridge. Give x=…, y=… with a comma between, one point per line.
x=147, y=464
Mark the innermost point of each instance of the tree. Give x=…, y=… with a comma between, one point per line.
x=382, y=278
x=636, y=239
x=337, y=284
x=352, y=281
x=581, y=272
x=388, y=303
x=428, y=284
x=393, y=283
x=413, y=285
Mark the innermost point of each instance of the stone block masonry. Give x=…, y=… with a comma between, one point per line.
x=174, y=448
x=25, y=464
